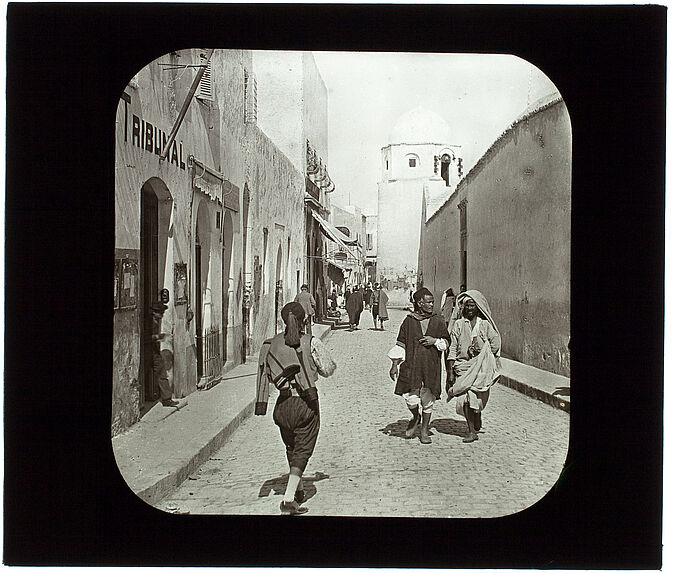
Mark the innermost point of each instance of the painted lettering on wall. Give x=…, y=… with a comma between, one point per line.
x=151, y=138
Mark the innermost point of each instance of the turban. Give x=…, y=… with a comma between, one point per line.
x=420, y=293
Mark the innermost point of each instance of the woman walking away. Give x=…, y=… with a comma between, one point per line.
x=473, y=359
x=354, y=306
x=420, y=343
x=291, y=361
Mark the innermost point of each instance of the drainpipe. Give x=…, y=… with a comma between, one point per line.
x=185, y=105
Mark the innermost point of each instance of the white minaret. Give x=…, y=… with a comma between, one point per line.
x=417, y=160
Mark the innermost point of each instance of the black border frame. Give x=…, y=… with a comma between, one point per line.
x=65, y=502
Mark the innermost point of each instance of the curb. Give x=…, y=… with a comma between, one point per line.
x=154, y=493
x=555, y=400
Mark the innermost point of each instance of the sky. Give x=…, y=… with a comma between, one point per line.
x=478, y=96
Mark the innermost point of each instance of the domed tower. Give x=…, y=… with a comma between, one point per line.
x=418, y=160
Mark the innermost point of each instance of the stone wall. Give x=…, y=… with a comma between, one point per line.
x=518, y=237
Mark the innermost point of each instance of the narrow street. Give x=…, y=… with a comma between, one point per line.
x=364, y=466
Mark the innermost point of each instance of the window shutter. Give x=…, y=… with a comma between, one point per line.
x=205, y=90
x=250, y=106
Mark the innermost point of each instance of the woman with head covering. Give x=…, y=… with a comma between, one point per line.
x=420, y=343
x=354, y=306
x=288, y=361
x=473, y=361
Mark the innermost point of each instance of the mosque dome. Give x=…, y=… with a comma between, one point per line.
x=420, y=126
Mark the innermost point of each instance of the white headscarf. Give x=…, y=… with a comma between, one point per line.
x=481, y=302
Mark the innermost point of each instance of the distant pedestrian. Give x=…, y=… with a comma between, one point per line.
x=457, y=309
x=307, y=301
x=473, y=359
x=379, y=305
x=421, y=340
x=354, y=306
x=447, y=304
x=158, y=365
x=290, y=360
x=347, y=294
x=367, y=295
x=333, y=299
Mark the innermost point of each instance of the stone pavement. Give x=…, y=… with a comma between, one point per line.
x=361, y=435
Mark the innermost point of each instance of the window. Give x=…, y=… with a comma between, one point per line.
x=205, y=90
x=370, y=242
x=446, y=161
x=265, y=274
x=412, y=162
x=386, y=164
x=250, y=97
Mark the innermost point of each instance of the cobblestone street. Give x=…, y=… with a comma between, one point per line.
x=364, y=466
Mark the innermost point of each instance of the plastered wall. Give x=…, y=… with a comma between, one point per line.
x=518, y=242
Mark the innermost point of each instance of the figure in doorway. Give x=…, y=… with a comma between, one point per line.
x=158, y=365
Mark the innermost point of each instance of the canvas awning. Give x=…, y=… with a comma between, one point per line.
x=332, y=232
x=215, y=186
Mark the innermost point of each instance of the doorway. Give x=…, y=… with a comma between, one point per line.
x=463, y=241
x=279, y=288
x=149, y=249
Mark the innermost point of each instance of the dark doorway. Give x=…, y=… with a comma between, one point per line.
x=149, y=232
x=279, y=288
x=198, y=304
x=463, y=241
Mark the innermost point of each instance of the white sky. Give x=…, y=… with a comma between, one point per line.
x=479, y=96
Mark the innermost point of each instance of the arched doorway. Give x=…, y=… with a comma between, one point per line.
x=247, y=302
x=155, y=215
x=202, y=302
x=279, y=288
x=227, y=244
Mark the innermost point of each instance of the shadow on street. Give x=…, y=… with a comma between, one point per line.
x=441, y=425
x=278, y=485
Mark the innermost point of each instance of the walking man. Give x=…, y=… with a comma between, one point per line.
x=417, y=365
x=473, y=360
x=379, y=305
x=306, y=300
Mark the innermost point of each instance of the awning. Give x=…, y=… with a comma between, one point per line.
x=332, y=232
x=335, y=273
x=215, y=186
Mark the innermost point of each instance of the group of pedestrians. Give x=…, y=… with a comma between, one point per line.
x=362, y=298
x=470, y=342
x=293, y=360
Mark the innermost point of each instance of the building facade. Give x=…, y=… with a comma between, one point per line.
x=350, y=221
x=371, y=243
x=293, y=113
x=210, y=218
x=505, y=231
x=419, y=161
